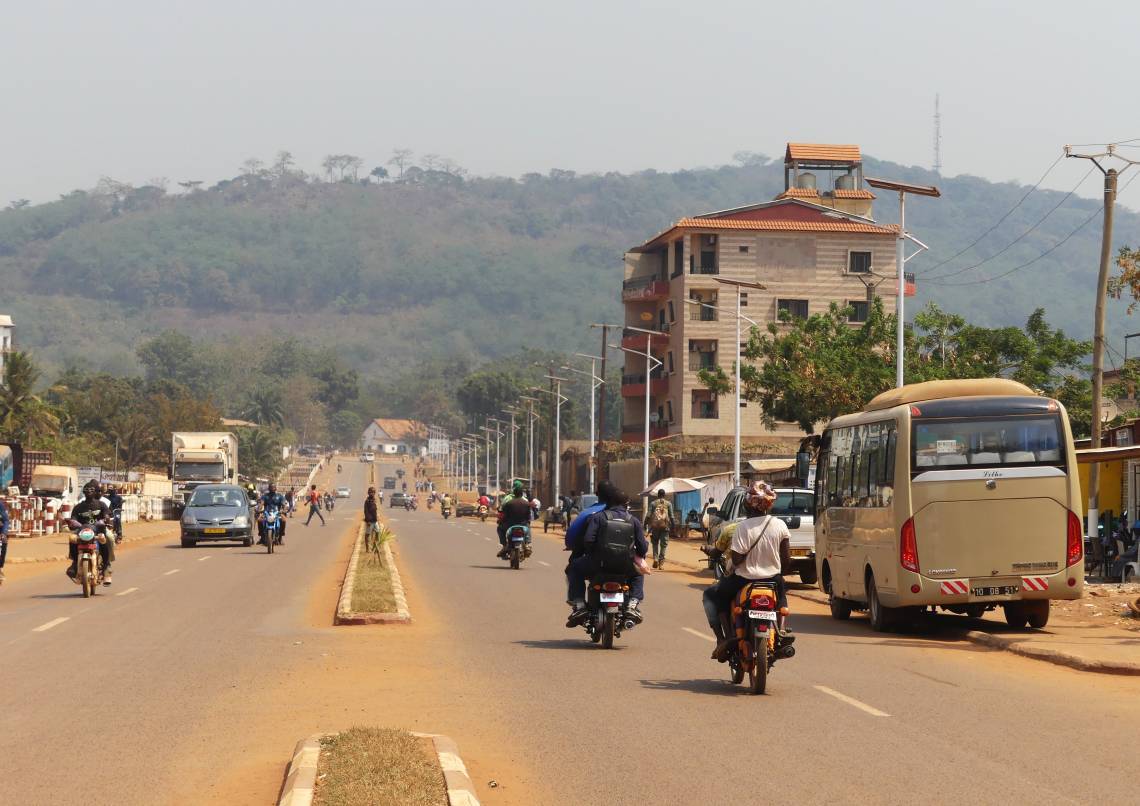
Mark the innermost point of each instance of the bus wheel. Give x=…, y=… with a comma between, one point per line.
x=1015, y=616
x=1037, y=613
x=840, y=608
x=881, y=617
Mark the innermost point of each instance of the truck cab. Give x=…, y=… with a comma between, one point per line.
x=56, y=482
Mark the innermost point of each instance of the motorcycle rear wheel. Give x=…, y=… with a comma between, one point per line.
x=758, y=674
x=515, y=558
x=608, y=631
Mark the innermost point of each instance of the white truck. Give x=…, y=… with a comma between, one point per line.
x=202, y=457
x=56, y=482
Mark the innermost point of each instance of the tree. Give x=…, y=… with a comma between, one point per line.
x=345, y=428
x=23, y=415
x=401, y=158
x=379, y=173
x=486, y=393
x=282, y=164
x=19, y=204
x=190, y=185
x=264, y=407
x=174, y=356
x=260, y=452
x=252, y=167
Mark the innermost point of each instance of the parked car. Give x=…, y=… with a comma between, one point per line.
x=795, y=506
x=466, y=509
x=218, y=512
x=368, y=456
x=398, y=499
x=343, y=492
x=389, y=482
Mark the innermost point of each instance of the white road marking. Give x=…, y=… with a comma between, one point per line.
x=55, y=622
x=544, y=562
x=208, y=556
x=127, y=591
x=231, y=548
x=487, y=539
x=862, y=706
x=168, y=573
x=699, y=634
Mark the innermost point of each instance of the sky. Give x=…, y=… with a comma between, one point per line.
x=188, y=91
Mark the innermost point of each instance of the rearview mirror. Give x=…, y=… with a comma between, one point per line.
x=713, y=512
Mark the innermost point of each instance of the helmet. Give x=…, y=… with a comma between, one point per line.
x=517, y=488
x=760, y=496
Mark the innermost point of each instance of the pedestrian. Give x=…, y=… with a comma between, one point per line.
x=3, y=538
x=660, y=523
x=314, y=505
x=291, y=499
x=535, y=504
x=371, y=515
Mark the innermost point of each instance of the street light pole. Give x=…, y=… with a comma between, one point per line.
x=595, y=384
x=530, y=401
x=736, y=452
x=648, y=356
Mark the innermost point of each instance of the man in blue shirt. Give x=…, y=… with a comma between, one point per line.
x=272, y=500
x=3, y=538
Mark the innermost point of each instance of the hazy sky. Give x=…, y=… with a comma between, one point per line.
x=138, y=89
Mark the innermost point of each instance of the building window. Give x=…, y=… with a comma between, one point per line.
x=669, y=409
x=744, y=299
x=858, y=262
x=860, y=308
x=795, y=308
x=670, y=362
x=706, y=310
x=672, y=318
x=702, y=354
x=744, y=250
x=704, y=405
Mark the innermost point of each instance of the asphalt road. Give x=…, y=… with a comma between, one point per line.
x=203, y=662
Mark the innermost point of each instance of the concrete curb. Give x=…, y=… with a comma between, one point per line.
x=1021, y=647
x=460, y=789
x=344, y=612
x=64, y=557
x=302, y=776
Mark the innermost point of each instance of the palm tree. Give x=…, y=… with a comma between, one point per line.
x=22, y=413
x=261, y=453
x=265, y=407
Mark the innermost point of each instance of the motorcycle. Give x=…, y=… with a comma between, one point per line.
x=483, y=512
x=761, y=640
x=328, y=503
x=117, y=525
x=518, y=544
x=272, y=530
x=445, y=511
x=607, y=599
x=716, y=560
x=88, y=562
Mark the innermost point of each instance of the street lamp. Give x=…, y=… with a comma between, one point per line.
x=739, y=317
x=530, y=401
x=559, y=399
x=498, y=451
x=595, y=384
x=657, y=362
x=513, y=410
x=474, y=459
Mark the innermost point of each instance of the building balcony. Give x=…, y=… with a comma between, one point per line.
x=704, y=270
x=634, y=385
x=644, y=289
x=635, y=340
x=635, y=432
x=699, y=361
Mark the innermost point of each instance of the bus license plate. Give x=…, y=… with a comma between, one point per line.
x=214, y=531
x=997, y=590
x=763, y=615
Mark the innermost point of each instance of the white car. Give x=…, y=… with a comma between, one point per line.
x=343, y=492
x=368, y=456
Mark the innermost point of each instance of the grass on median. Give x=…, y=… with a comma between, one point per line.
x=372, y=590
x=379, y=766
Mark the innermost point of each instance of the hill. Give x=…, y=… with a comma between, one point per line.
x=471, y=268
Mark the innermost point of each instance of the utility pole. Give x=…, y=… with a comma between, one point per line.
x=1110, y=177
x=602, y=391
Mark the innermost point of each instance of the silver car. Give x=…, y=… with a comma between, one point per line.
x=218, y=512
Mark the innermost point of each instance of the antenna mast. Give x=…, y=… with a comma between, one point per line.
x=937, y=137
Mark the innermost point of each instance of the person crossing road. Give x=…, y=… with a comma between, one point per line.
x=314, y=506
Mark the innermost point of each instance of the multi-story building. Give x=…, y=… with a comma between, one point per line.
x=809, y=248
x=6, y=328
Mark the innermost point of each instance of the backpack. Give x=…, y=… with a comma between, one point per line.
x=659, y=516
x=613, y=549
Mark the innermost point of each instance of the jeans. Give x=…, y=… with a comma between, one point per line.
x=660, y=540
x=578, y=571
x=718, y=596
x=3, y=549
x=315, y=510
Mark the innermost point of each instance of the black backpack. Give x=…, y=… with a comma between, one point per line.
x=613, y=549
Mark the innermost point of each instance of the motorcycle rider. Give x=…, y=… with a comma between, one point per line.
x=445, y=502
x=580, y=568
x=759, y=551
x=115, y=502
x=515, y=511
x=275, y=500
x=92, y=511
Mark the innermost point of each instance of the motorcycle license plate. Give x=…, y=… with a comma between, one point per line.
x=996, y=590
x=611, y=597
x=763, y=615
x=214, y=531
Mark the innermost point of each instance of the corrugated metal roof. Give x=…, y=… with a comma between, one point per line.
x=785, y=226
x=852, y=194
x=822, y=151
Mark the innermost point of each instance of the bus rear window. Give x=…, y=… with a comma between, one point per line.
x=987, y=442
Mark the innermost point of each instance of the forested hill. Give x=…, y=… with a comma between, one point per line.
x=440, y=263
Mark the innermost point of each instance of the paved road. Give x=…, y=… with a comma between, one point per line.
x=215, y=664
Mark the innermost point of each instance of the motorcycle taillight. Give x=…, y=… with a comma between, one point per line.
x=610, y=587
x=762, y=602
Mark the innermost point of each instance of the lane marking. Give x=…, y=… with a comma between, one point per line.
x=705, y=636
x=487, y=539
x=862, y=706
x=168, y=573
x=127, y=591
x=53, y=623
x=544, y=562
x=231, y=548
x=203, y=559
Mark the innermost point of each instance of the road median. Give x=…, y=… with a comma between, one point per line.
x=372, y=592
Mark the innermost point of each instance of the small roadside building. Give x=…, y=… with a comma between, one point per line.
x=394, y=436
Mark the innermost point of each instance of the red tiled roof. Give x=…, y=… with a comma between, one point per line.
x=852, y=194
x=785, y=226
x=822, y=151
x=799, y=193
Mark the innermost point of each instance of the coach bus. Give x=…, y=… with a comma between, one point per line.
x=7, y=468
x=960, y=495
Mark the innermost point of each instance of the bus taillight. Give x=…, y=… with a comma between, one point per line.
x=1075, y=545
x=908, y=546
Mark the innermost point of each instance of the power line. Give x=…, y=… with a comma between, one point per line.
x=999, y=221
x=1048, y=251
x=1007, y=247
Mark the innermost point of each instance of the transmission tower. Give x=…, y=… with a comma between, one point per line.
x=937, y=137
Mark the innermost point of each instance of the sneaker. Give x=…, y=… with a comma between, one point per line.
x=503, y=554
x=107, y=577
x=634, y=613
x=71, y=571
x=579, y=616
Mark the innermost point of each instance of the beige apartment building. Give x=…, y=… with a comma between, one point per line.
x=808, y=247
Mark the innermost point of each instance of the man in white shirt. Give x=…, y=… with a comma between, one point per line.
x=759, y=551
